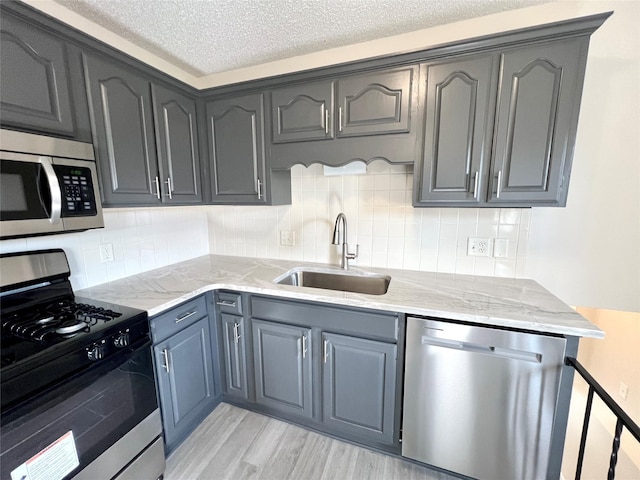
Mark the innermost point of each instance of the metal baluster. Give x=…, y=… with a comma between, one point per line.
x=614, y=450
x=585, y=427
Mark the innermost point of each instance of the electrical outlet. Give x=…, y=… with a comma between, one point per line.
x=478, y=247
x=500, y=247
x=287, y=238
x=623, y=390
x=106, y=252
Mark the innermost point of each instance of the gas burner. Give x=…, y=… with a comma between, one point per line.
x=70, y=326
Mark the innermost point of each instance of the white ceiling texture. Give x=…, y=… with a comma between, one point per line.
x=204, y=37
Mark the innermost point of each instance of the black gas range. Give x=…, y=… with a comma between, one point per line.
x=71, y=364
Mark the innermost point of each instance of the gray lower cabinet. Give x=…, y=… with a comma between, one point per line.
x=234, y=356
x=35, y=89
x=184, y=370
x=282, y=363
x=358, y=387
x=235, y=129
x=141, y=161
x=522, y=155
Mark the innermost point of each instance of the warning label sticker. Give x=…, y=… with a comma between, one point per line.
x=52, y=463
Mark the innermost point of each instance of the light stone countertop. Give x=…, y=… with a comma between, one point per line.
x=503, y=302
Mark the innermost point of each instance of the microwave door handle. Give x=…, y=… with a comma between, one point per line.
x=54, y=188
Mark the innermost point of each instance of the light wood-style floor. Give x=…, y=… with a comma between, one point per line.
x=237, y=444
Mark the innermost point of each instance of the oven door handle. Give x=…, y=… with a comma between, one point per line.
x=54, y=189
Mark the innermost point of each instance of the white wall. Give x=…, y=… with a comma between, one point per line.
x=142, y=239
x=589, y=252
x=390, y=232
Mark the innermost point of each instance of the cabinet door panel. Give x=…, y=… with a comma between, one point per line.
x=236, y=148
x=359, y=386
x=302, y=112
x=537, y=110
x=121, y=114
x=34, y=85
x=177, y=139
x=282, y=358
x=234, y=355
x=458, y=121
x=185, y=378
x=374, y=104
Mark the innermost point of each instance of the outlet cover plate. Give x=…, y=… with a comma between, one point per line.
x=106, y=252
x=478, y=247
x=287, y=238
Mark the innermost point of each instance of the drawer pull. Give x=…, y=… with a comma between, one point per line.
x=304, y=346
x=226, y=303
x=185, y=316
x=166, y=359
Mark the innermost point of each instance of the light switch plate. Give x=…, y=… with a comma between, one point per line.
x=500, y=247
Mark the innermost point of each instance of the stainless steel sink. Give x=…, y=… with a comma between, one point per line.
x=356, y=282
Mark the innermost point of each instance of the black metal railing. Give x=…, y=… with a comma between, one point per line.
x=623, y=419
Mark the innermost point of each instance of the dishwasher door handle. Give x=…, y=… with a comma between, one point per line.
x=502, y=352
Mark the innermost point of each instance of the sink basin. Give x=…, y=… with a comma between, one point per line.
x=345, y=281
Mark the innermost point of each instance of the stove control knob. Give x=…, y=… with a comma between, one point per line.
x=121, y=340
x=97, y=351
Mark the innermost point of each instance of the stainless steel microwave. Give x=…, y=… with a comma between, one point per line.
x=47, y=185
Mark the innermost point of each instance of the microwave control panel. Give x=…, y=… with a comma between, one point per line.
x=77, y=191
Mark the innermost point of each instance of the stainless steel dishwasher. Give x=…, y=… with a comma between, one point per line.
x=480, y=401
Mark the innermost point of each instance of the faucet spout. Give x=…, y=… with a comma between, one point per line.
x=340, y=238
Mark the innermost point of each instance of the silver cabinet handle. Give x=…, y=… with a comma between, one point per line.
x=304, y=346
x=185, y=316
x=326, y=121
x=166, y=359
x=259, y=189
x=226, y=303
x=169, y=187
x=475, y=185
x=54, y=188
x=236, y=334
x=339, y=119
x=326, y=352
x=499, y=184
x=157, y=192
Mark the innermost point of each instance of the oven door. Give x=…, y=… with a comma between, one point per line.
x=84, y=417
x=30, y=195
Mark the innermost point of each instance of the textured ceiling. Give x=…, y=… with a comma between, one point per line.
x=210, y=36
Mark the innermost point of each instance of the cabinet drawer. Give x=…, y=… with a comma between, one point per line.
x=362, y=323
x=168, y=323
x=229, y=302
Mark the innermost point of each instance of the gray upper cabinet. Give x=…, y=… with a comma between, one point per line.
x=375, y=103
x=538, y=106
x=358, y=387
x=282, y=363
x=177, y=141
x=234, y=356
x=303, y=112
x=185, y=380
x=235, y=129
x=122, y=118
x=457, y=144
x=34, y=85
x=522, y=155
x=145, y=137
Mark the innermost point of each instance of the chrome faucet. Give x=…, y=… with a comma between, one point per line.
x=340, y=237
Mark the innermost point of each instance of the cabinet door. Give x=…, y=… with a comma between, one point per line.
x=282, y=360
x=358, y=386
x=177, y=140
x=234, y=356
x=122, y=120
x=185, y=379
x=236, y=149
x=538, y=107
x=34, y=85
x=375, y=103
x=458, y=130
x=302, y=112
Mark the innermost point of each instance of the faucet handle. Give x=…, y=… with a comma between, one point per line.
x=352, y=256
